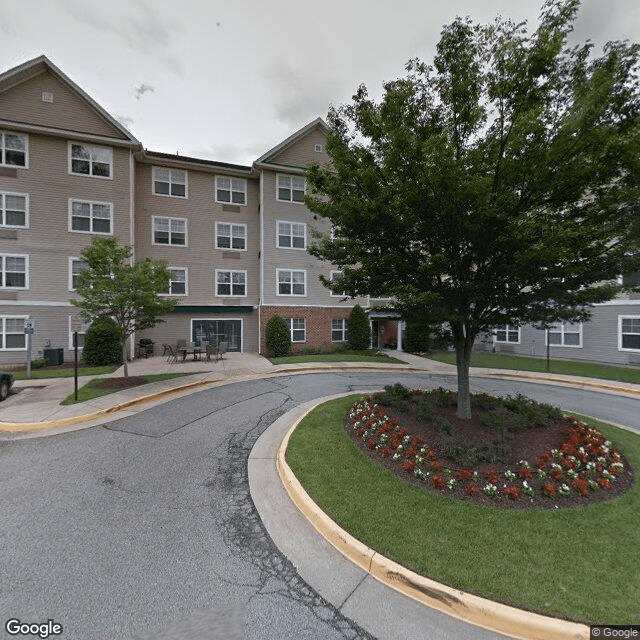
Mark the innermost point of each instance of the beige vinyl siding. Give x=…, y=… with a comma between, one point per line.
x=200, y=257
x=302, y=152
x=69, y=111
x=48, y=241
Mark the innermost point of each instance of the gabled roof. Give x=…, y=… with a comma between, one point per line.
x=292, y=139
x=32, y=68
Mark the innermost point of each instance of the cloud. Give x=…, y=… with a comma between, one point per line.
x=301, y=95
x=142, y=89
x=136, y=24
x=125, y=121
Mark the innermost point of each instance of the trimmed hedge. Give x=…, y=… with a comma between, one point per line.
x=278, y=337
x=103, y=343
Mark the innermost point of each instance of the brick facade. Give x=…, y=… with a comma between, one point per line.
x=318, y=324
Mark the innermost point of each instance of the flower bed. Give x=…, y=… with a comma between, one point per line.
x=582, y=467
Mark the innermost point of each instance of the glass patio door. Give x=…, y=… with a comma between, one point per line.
x=215, y=331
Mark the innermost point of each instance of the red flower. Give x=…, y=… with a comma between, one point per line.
x=604, y=483
x=614, y=471
x=464, y=475
x=524, y=472
x=385, y=452
x=513, y=493
x=438, y=481
x=360, y=431
x=409, y=465
x=548, y=489
x=411, y=452
x=371, y=444
x=394, y=442
x=402, y=433
x=556, y=473
x=432, y=455
x=472, y=490
x=581, y=487
x=569, y=464
x=434, y=465
x=416, y=441
x=492, y=477
x=540, y=463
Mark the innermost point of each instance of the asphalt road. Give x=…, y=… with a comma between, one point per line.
x=144, y=528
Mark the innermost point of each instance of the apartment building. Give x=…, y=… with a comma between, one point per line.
x=234, y=236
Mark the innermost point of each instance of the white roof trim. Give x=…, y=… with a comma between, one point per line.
x=291, y=139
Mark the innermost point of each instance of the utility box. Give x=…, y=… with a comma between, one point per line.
x=53, y=356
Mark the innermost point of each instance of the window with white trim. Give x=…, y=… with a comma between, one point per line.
x=292, y=235
x=334, y=275
x=14, y=149
x=231, y=236
x=12, y=336
x=298, y=329
x=14, y=209
x=91, y=217
x=231, y=190
x=172, y=231
x=75, y=267
x=507, y=333
x=231, y=283
x=177, y=283
x=291, y=282
x=14, y=271
x=90, y=160
x=83, y=330
x=339, y=330
x=169, y=182
x=290, y=188
x=565, y=334
x=629, y=333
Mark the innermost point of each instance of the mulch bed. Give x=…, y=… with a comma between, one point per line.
x=528, y=444
x=120, y=382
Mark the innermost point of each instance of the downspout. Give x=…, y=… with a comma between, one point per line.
x=261, y=299
x=132, y=232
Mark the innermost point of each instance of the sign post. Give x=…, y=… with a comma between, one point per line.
x=29, y=330
x=76, y=325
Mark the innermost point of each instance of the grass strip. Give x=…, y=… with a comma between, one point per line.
x=39, y=374
x=337, y=357
x=579, y=564
x=93, y=389
x=567, y=367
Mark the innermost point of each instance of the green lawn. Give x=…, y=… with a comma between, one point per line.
x=44, y=372
x=370, y=355
x=568, y=367
x=92, y=390
x=579, y=564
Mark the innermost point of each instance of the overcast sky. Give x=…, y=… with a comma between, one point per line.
x=229, y=79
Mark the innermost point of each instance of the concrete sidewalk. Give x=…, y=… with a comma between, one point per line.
x=34, y=406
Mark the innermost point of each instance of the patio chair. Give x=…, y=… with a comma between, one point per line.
x=210, y=350
x=172, y=358
x=222, y=349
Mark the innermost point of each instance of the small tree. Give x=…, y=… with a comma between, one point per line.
x=103, y=342
x=359, y=337
x=278, y=337
x=128, y=293
x=417, y=336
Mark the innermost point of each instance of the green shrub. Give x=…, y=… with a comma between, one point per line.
x=417, y=337
x=359, y=330
x=38, y=363
x=445, y=398
x=278, y=337
x=102, y=343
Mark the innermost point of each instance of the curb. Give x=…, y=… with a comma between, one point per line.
x=21, y=427
x=494, y=616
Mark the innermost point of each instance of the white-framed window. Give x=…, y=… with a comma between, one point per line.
x=290, y=188
x=91, y=217
x=75, y=267
x=333, y=275
x=291, y=282
x=339, y=331
x=231, y=236
x=12, y=336
x=14, y=210
x=178, y=285
x=565, y=334
x=14, y=149
x=231, y=190
x=298, y=329
x=629, y=333
x=14, y=271
x=169, y=182
x=291, y=235
x=317, y=148
x=171, y=231
x=231, y=284
x=90, y=160
x=83, y=330
x=507, y=333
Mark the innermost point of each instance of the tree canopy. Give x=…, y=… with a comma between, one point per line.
x=111, y=285
x=499, y=185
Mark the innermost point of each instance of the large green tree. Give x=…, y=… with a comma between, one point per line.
x=499, y=185
x=111, y=285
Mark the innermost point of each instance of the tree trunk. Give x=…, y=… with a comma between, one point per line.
x=124, y=358
x=463, y=347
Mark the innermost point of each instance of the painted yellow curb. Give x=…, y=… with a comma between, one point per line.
x=494, y=616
